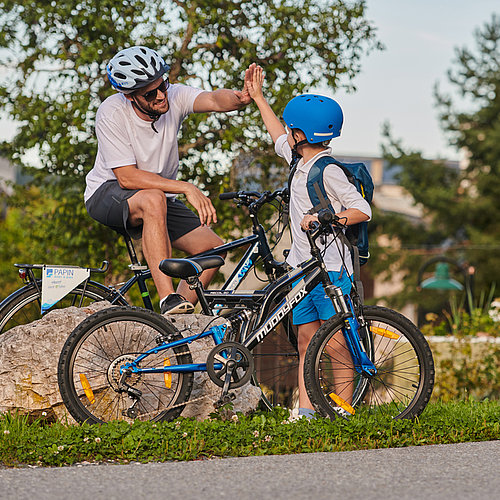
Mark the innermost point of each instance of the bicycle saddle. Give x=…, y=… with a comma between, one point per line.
x=187, y=268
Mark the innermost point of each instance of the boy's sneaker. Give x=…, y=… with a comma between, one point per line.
x=299, y=413
x=176, y=304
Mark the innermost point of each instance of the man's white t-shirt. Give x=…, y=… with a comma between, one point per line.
x=125, y=139
x=342, y=195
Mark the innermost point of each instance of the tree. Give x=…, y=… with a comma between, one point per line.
x=460, y=207
x=56, y=53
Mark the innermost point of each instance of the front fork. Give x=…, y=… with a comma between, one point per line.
x=361, y=361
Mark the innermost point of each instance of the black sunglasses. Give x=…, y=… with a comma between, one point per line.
x=151, y=94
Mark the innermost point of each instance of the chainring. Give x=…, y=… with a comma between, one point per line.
x=234, y=357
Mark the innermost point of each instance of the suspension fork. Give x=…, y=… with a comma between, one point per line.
x=361, y=361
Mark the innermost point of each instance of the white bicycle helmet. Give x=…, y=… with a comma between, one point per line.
x=134, y=68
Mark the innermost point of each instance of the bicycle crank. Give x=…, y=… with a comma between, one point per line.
x=230, y=365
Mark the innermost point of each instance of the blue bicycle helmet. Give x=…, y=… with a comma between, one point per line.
x=318, y=116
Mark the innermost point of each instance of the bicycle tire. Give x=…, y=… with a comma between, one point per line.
x=404, y=381
x=89, y=367
x=23, y=306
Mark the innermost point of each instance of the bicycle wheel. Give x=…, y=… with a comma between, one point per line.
x=277, y=366
x=404, y=380
x=24, y=306
x=92, y=387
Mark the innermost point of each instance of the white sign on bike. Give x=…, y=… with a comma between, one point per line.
x=58, y=281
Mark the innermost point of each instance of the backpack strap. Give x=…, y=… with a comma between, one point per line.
x=323, y=202
x=316, y=186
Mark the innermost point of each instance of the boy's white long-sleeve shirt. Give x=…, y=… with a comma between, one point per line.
x=342, y=195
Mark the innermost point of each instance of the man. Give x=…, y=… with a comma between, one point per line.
x=133, y=185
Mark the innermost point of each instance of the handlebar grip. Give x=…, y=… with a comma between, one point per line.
x=312, y=226
x=228, y=196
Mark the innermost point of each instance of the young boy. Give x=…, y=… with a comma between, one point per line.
x=312, y=121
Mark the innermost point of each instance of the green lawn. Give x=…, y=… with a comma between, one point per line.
x=263, y=433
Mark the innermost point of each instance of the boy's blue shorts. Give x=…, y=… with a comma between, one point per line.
x=316, y=305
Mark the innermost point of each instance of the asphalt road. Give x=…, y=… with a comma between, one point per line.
x=461, y=471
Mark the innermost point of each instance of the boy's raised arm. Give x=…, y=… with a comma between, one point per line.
x=255, y=77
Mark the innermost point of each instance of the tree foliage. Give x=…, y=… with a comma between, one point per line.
x=56, y=54
x=461, y=212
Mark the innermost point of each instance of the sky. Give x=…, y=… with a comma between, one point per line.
x=396, y=85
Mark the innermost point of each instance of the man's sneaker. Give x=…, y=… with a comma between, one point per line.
x=176, y=304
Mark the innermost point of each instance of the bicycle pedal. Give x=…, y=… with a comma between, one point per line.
x=224, y=400
x=130, y=413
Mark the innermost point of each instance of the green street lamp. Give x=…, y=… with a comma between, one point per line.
x=441, y=279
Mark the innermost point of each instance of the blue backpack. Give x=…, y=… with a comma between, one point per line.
x=357, y=174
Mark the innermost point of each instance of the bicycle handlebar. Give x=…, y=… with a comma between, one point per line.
x=239, y=194
x=326, y=219
x=247, y=198
x=104, y=267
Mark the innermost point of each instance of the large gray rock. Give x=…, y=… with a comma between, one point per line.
x=247, y=397
x=29, y=356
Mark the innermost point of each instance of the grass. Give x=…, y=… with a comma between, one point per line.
x=263, y=433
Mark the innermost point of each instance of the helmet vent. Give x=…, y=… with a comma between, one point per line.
x=124, y=63
x=120, y=75
x=153, y=63
x=138, y=72
x=141, y=60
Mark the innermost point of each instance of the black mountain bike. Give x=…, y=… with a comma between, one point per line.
x=276, y=358
x=130, y=363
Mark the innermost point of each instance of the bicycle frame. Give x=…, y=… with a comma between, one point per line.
x=303, y=280
x=258, y=248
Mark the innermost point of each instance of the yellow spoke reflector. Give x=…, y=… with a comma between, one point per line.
x=167, y=376
x=86, y=387
x=384, y=332
x=343, y=404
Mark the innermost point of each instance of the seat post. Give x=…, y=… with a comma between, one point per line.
x=195, y=284
x=131, y=250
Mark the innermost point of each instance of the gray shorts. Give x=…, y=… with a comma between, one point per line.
x=108, y=205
